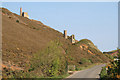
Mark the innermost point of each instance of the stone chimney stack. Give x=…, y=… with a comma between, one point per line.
x=73, y=39
x=65, y=34
x=20, y=11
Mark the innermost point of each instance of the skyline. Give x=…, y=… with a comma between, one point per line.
x=83, y=19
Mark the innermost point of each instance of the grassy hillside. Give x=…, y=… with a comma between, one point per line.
x=113, y=51
x=92, y=51
x=32, y=49
x=111, y=54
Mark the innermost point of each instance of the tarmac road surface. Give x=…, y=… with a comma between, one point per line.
x=87, y=74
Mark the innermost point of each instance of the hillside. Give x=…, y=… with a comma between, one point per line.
x=113, y=53
x=32, y=49
x=112, y=69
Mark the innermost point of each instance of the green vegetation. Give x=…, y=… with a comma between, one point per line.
x=71, y=67
x=17, y=21
x=33, y=27
x=113, y=69
x=85, y=41
x=50, y=61
x=90, y=45
x=3, y=11
x=113, y=51
x=77, y=68
x=36, y=28
x=71, y=58
x=109, y=56
x=84, y=60
x=103, y=72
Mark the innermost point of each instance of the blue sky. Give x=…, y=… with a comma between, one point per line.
x=97, y=21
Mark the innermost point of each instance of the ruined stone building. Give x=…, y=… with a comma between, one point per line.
x=24, y=14
x=71, y=38
x=21, y=11
x=65, y=34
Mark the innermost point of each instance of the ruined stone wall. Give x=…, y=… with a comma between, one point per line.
x=20, y=11
x=65, y=34
x=25, y=14
x=73, y=39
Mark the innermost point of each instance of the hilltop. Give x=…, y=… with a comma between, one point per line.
x=32, y=49
x=113, y=53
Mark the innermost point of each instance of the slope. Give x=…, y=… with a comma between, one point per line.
x=26, y=41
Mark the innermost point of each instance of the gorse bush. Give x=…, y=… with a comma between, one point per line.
x=84, y=60
x=50, y=60
x=17, y=21
x=103, y=73
x=72, y=67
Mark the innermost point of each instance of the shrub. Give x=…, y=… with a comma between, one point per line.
x=17, y=21
x=50, y=60
x=66, y=51
x=72, y=68
x=90, y=60
x=103, y=72
x=84, y=60
x=71, y=58
x=33, y=27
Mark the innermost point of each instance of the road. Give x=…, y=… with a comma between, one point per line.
x=92, y=73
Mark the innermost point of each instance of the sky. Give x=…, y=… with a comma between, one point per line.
x=96, y=21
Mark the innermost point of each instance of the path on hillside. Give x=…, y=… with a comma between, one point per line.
x=88, y=73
